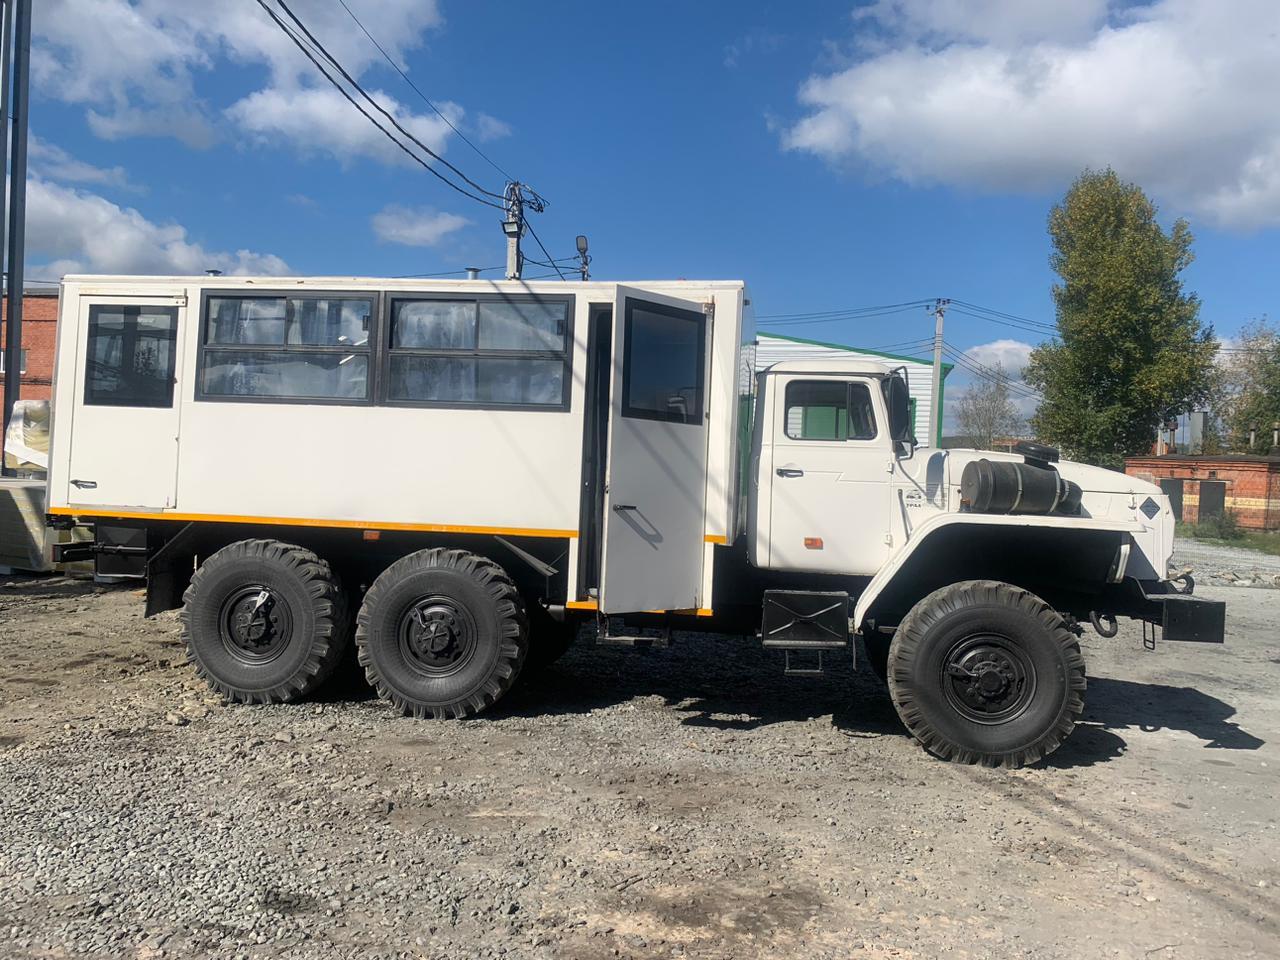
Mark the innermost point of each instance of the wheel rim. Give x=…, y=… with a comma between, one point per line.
x=438, y=636
x=988, y=678
x=255, y=624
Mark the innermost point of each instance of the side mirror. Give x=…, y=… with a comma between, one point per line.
x=897, y=399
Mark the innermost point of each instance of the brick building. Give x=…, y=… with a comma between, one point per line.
x=1200, y=487
x=39, y=325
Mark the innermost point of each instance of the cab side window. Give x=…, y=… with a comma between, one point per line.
x=829, y=410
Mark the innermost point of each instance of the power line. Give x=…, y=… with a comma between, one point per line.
x=984, y=372
x=533, y=233
x=847, y=310
x=351, y=80
x=387, y=133
x=415, y=89
x=1042, y=331
x=1006, y=316
x=855, y=316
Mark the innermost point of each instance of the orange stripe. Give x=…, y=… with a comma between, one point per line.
x=304, y=522
x=592, y=605
x=714, y=538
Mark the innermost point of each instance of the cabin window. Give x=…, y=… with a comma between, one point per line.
x=663, y=363
x=313, y=348
x=130, y=356
x=829, y=410
x=479, y=352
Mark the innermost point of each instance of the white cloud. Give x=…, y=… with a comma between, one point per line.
x=134, y=66
x=421, y=227
x=321, y=121
x=490, y=128
x=72, y=230
x=1011, y=95
x=986, y=20
x=51, y=162
x=1010, y=354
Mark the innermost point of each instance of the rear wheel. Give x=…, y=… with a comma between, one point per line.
x=264, y=621
x=442, y=633
x=985, y=672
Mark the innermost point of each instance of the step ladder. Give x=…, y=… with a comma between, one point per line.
x=612, y=632
x=803, y=623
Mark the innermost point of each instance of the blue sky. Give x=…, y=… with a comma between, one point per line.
x=852, y=155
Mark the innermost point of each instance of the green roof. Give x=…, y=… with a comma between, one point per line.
x=946, y=367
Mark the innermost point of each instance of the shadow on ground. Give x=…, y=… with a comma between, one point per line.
x=728, y=683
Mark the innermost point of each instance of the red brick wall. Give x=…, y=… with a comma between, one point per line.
x=1253, y=486
x=39, y=323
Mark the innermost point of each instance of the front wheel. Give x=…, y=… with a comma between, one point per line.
x=985, y=672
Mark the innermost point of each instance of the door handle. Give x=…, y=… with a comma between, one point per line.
x=790, y=472
x=619, y=507
x=85, y=484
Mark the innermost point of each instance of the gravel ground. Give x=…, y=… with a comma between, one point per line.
x=689, y=802
x=1210, y=561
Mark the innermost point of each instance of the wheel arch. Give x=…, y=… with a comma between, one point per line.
x=1065, y=561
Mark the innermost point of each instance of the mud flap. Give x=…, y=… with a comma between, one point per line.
x=1190, y=619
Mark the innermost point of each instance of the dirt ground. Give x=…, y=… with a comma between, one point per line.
x=688, y=802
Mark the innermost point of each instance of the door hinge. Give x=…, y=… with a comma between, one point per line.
x=888, y=467
x=888, y=539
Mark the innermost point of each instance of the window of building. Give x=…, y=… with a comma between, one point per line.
x=500, y=352
x=22, y=361
x=829, y=410
x=287, y=347
x=664, y=363
x=130, y=356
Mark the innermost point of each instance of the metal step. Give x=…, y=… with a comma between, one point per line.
x=629, y=636
x=790, y=670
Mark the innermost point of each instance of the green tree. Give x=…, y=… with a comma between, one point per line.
x=1249, y=399
x=1132, y=353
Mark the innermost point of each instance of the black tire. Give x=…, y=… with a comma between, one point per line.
x=442, y=633
x=264, y=621
x=985, y=672
x=549, y=639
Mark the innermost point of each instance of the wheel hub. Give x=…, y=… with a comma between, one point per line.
x=255, y=624
x=988, y=678
x=436, y=636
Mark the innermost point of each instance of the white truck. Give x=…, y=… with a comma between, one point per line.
x=455, y=475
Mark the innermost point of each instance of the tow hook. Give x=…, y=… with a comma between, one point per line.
x=1098, y=619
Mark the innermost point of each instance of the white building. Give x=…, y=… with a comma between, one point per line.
x=774, y=347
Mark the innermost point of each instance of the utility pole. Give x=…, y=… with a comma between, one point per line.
x=20, y=13
x=513, y=227
x=935, y=407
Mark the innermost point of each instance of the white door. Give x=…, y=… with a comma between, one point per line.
x=124, y=422
x=829, y=508
x=657, y=466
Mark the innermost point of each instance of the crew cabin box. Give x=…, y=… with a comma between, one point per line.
x=594, y=427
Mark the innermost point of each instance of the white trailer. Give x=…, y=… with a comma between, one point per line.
x=461, y=472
